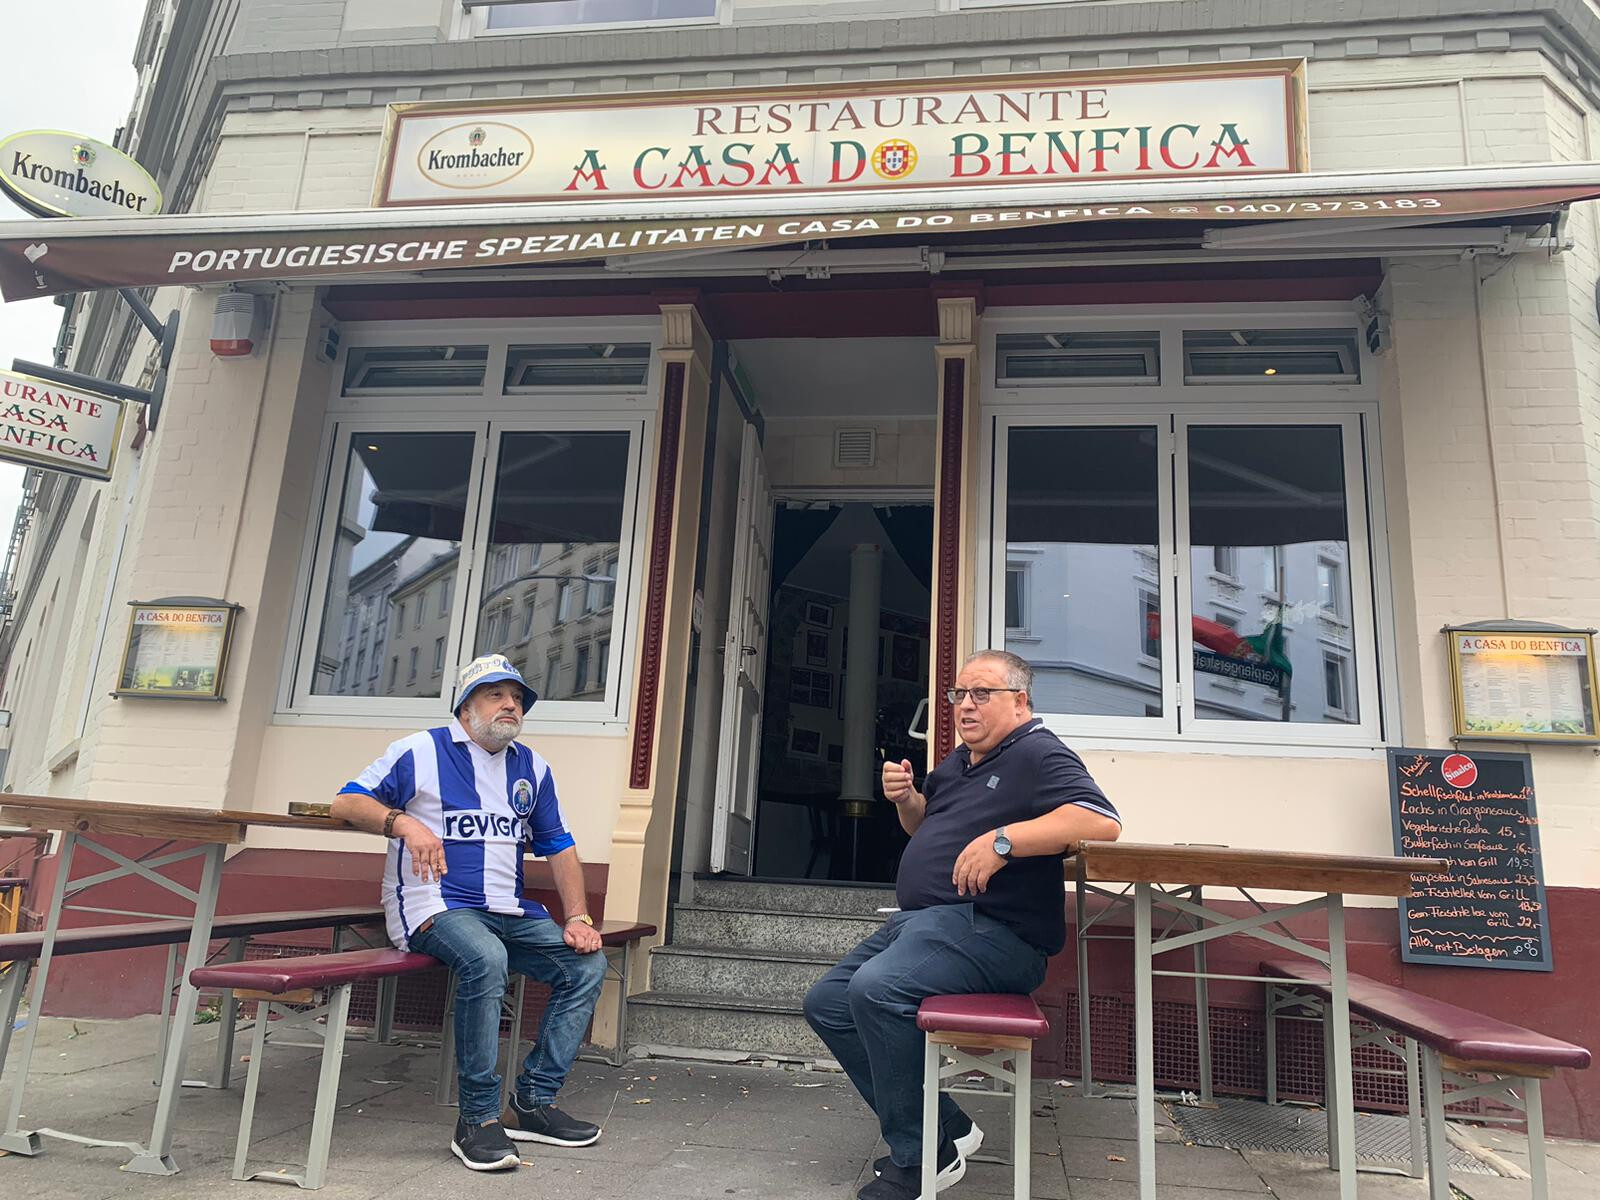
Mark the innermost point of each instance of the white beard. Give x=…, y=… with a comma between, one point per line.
x=498, y=733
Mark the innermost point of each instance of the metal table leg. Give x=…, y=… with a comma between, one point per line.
x=1202, y=1010
x=228, y=1016
x=15, y=1140
x=157, y=1159
x=1144, y=1040
x=1344, y=1075
x=1085, y=1055
x=619, y=1052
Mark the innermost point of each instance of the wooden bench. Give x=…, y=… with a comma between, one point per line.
x=1001, y=1028
x=300, y=992
x=1479, y=1056
x=19, y=951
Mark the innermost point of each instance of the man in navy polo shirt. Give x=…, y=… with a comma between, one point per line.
x=460, y=804
x=982, y=907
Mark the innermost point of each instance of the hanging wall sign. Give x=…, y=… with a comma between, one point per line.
x=1145, y=123
x=177, y=648
x=57, y=428
x=1523, y=684
x=54, y=174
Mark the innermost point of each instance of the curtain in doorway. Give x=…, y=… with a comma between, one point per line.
x=910, y=530
x=794, y=532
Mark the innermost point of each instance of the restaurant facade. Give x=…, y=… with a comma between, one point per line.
x=737, y=368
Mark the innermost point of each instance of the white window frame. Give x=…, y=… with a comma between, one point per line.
x=631, y=545
x=473, y=22
x=997, y=431
x=487, y=415
x=296, y=696
x=1363, y=673
x=1354, y=406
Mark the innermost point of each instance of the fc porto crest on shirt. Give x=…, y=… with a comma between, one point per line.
x=522, y=797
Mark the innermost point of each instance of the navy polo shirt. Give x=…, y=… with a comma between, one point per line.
x=1029, y=774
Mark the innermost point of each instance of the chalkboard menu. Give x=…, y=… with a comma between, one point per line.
x=1475, y=811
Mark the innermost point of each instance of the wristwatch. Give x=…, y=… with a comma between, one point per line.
x=584, y=917
x=1002, y=844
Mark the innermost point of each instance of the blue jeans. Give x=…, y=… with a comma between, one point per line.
x=481, y=949
x=865, y=1009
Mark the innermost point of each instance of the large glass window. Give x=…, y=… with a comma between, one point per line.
x=398, y=527
x=392, y=615
x=1205, y=578
x=1261, y=494
x=1083, y=510
x=559, y=501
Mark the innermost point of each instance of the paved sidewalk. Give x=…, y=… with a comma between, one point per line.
x=673, y=1131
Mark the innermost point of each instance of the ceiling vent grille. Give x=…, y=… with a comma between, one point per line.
x=855, y=447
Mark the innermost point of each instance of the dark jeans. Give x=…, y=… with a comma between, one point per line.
x=481, y=949
x=865, y=1009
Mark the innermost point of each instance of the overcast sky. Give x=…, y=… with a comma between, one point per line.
x=88, y=91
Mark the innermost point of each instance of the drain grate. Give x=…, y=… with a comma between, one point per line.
x=1285, y=1129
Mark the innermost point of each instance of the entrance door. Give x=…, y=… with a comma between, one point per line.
x=744, y=666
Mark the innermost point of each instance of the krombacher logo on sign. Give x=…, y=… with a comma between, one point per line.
x=475, y=155
x=54, y=174
x=1153, y=123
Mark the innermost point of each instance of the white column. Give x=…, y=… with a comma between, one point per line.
x=860, y=682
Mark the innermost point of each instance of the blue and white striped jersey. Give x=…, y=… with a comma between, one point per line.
x=484, y=807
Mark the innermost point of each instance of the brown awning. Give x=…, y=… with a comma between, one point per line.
x=42, y=258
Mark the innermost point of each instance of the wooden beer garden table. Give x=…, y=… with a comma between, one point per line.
x=81, y=822
x=1174, y=879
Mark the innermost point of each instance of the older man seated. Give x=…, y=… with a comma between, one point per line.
x=982, y=906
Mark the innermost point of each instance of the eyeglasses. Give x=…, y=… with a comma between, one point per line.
x=979, y=695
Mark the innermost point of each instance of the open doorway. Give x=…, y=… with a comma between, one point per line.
x=834, y=711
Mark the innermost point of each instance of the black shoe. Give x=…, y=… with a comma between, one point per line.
x=548, y=1124
x=484, y=1147
x=905, y=1183
x=967, y=1142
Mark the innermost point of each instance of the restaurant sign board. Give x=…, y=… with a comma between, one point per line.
x=1152, y=123
x=53, y=174
x=56, y=428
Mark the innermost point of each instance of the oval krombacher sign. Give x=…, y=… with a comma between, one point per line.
x=55, y=174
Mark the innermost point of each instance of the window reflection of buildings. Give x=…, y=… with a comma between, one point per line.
x=549, y=610
x=374, y=593
x=415, y=636
x=1086, y=616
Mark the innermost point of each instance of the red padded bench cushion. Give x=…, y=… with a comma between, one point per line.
x=134, y=934
x=995, y=1014
x=279, y=975
x=1447, y=1028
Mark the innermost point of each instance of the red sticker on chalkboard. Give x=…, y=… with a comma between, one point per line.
x=1459, y=771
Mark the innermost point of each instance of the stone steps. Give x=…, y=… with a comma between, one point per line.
x=769, y=929
x=721, y=1026
x=731, y=983
x=725, y=971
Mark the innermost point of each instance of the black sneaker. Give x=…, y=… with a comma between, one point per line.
x=966, y=1144
x=484, y=1147
x=548, y=1124
x=905, y=1183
